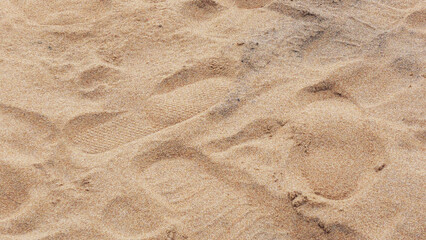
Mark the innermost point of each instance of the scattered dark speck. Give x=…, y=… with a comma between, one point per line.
x=160, y=26
x=380, y=168
x=49, y=47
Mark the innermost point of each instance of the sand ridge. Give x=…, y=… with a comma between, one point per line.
x=212, y=119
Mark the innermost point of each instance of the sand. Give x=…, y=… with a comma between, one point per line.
x=212, y=119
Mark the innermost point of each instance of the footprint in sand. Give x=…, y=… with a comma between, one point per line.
x=26, y=131
x=133, y=215
x=14, y=189
x=177, y=98
x=65, y=12
x=206, y=207
x=417, y=19
x=335, y=148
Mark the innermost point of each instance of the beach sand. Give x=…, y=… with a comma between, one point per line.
x=212, y=119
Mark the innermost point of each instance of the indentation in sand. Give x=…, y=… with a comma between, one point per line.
x=28, y=132
x=209, y=68
x=253, y=130
x=209, y=208
x=78, y=234
x=249, y=4
x=132, y=215
x=417, y=19
x=335, y=146
x=201, y=9
x=212, y=119
x=64, y=12
x=14, y=189
x=294, y=12
x=182, y=96
x=369, y=84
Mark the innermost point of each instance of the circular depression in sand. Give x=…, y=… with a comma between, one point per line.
x=335, y=148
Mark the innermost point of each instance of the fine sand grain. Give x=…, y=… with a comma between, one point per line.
x=212, y=119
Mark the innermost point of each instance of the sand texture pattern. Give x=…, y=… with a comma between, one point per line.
x=212, y=119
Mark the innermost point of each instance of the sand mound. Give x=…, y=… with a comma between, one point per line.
x=212, y=119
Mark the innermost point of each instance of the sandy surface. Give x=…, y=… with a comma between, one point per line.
x=212, y=119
